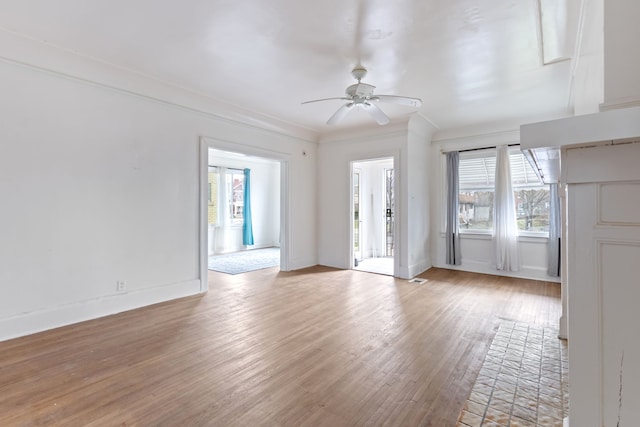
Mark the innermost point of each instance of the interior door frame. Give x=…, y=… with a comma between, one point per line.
x=395, y=156
x=285, y=205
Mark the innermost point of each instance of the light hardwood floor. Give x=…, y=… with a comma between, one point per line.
x=312, y=347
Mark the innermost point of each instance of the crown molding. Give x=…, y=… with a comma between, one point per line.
x=24, y=51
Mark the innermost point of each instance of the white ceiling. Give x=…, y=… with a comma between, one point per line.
x=471, y=61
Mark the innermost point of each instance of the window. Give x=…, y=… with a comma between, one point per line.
x=213, y=196
x=476, y=179
x=235, y=192
x=233, y=189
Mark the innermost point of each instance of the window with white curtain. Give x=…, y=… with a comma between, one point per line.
x=477, y=185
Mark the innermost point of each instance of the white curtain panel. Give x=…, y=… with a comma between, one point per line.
x=223, y=234
x=505, y=226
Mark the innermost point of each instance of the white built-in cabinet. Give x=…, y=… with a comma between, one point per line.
x=603, y=289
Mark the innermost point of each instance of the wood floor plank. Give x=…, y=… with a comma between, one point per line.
x=313, y=347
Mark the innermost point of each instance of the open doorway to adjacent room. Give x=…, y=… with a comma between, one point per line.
x=243, y=212
x=373, y=215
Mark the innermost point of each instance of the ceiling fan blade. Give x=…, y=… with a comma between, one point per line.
x=327, y=99
x=402, y=100
x=339, y=115
x=377, y=114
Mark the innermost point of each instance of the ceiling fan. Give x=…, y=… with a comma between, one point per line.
x=360, y=95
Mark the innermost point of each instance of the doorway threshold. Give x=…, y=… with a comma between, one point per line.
x=378, y=265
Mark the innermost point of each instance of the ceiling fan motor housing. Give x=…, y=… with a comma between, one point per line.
x=360, y=90
x=358, y=73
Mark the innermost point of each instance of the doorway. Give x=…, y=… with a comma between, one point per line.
x=226, y=171
x=373, y=215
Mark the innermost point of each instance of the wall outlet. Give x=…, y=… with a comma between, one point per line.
x=121, y=285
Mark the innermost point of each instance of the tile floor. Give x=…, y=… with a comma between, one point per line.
x=523, y=380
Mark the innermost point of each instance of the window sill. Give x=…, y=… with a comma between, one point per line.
x=229, y=226
x=534, y=234
x=475, y=235
x=475, y=232
x=523, y=236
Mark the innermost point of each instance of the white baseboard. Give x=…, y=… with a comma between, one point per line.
x=484, y=268
x=563, y=334
x=54, y=317
x=413, y=270
x=300, y=263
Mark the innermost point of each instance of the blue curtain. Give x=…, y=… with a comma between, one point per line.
x=454, y=256
x=247, y=227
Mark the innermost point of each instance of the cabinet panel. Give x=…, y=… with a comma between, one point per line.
x=620, y=323
x=614, y=203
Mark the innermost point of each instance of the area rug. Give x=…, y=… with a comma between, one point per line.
x=242, y=262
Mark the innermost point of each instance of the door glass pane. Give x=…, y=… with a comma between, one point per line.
x=389, y=212
x=356, y=212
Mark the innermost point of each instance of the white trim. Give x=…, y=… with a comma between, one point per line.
x=286, y=262
x=482, y=234
x=585, y=129
x=80, y=311
x=365, y=134
x=618, y=103
x=20, y=50
x=414, y=269
x=526, y=272
x=491, y=139
x=531, y=237
x=203, y=207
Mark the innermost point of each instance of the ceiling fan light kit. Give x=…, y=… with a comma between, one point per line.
x=360, y=95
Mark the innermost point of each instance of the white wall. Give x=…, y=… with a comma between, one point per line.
x=334, y=156
x=621, y=61
x=587, y=84
x=100, y=185
x=418, y=195
x=265, y=204
x=477, y=249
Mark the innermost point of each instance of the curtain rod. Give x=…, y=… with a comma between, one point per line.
x=483, y=148
x=233, y=169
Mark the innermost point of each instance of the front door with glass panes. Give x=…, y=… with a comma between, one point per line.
x=389, y=212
